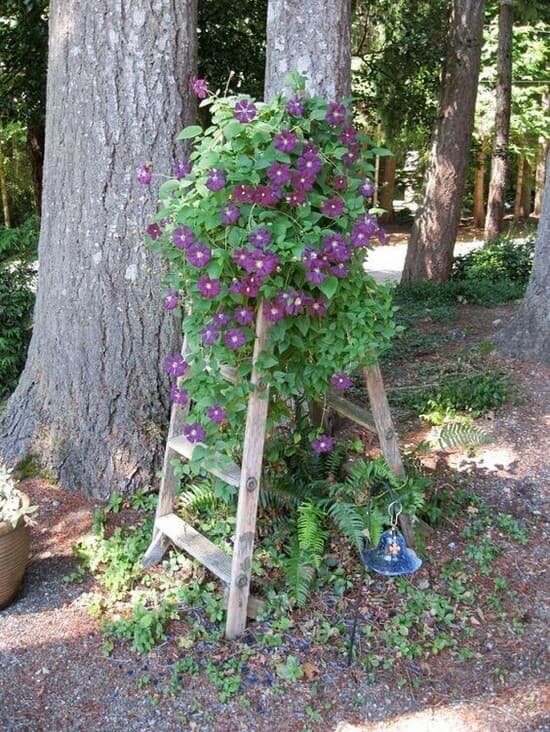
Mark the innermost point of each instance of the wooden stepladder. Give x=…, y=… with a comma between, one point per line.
x=236, y=571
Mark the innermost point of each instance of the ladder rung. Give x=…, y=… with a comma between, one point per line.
x=185, y=537
x=352, y=411
x=214, y=463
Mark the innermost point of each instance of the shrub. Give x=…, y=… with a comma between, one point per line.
x=503, y=260
x=16, y=305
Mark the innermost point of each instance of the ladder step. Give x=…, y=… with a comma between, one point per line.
x=352, y=411
x=214, y=463
x=185, y=537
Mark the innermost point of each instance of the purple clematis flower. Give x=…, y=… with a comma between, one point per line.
x=295, y=107
x=144, y=174
x=209, y=288
x=241, y=193
x=323, y=444
x=179, y=396
x=200, y=88
x=341, y=381
x=340, y=182
x=303, y=180
x=309, y=162
x=348, y=136
x=229, y=214
x=285, y=141
x=336, y=114
x=154, y=231
x=215, y=179
x=316, y=307
x=175, y=365
x=172, y=300
x=243, y=315
x=244, y=111
x=194, y=432
x=260, y=237
x=274, y=310
x=183, y=237
x=181, y=167
x=209, y=334
x=279, y=173
x=366, y=188
x=217, y=414
x=199, y=255
x=333, y=207
x=220, y=319
x=234, y=338
x=295, y=199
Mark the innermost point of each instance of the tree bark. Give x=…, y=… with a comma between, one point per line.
x=387, y=189
x=503, y=92
x=539, y=177
x=526, y=188
x=528, y=334
x=4, y=193
x=312, y=38
x=519, y=188
x=479, y=189
x=92, y=398
x=35, y=147
x=430, y=249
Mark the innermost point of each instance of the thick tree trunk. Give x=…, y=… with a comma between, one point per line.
x=313, y=38
x=385, y=199
x=92, y=398
x=479, y=189
x=4, y=194
x=539, y=177
x=528, y=334
x=35, y=147
x=430, y=249
x=519, y=188
x=503, y=92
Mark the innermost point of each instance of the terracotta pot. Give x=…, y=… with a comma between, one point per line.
x=14, y=555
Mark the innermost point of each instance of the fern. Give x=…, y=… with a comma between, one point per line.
x=311, y=533
x=349, y=521
x=198, y=498
x=376, y=520
x=460, y=434
x=299, y=573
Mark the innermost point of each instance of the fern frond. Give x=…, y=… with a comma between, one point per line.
x=349, y=521
x=311, y=532
x=299, y=573
x=198, y=498
x=376, y=520
x=460, y=434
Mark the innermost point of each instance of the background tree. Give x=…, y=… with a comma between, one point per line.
x=503, y=94
x=92, y=398
x=430, y=249
x=23, y=50
x=528, y=334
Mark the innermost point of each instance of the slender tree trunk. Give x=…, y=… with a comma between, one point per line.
x=528, y=334
x=430, y=249
x=35, y=147
x=93, y=398
x=526, y=188
x=4, y=193
x=499, y=162
x=313, y=38
x=387, y=189
x=539, y=177
x=519, y=188
x=479, y=188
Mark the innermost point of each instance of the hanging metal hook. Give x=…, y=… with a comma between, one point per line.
x=394, y=509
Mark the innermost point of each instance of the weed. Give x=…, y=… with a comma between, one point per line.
x=225, y=676
x=290, y=670
x=144, y=626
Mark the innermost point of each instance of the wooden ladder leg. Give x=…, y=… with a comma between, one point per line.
x=256, y=418
x=386, y=434
x=168, y=484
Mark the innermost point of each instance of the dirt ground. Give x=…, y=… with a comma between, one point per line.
x=55, y=676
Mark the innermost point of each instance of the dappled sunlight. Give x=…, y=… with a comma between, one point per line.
x=509, y=710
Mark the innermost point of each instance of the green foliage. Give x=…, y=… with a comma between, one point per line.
x=13, y=504
x=144, y=626
x=504, y=260
x=16, y=305
x=460, y=434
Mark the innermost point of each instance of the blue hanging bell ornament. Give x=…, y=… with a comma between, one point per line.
x=392, y=557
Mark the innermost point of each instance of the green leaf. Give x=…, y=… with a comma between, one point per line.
x=188, y=132
x=329, y=286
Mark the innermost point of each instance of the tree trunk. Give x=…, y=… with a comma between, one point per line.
x=35, y=147
x=519, y=188
x=528, y=334
x=479, y=188
x=539, y=177
x=526, y=188
x=430, y=249
x=503, y=92
x=387, y=190
x=4, y=193
x=92, y=398
x=312, y=38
